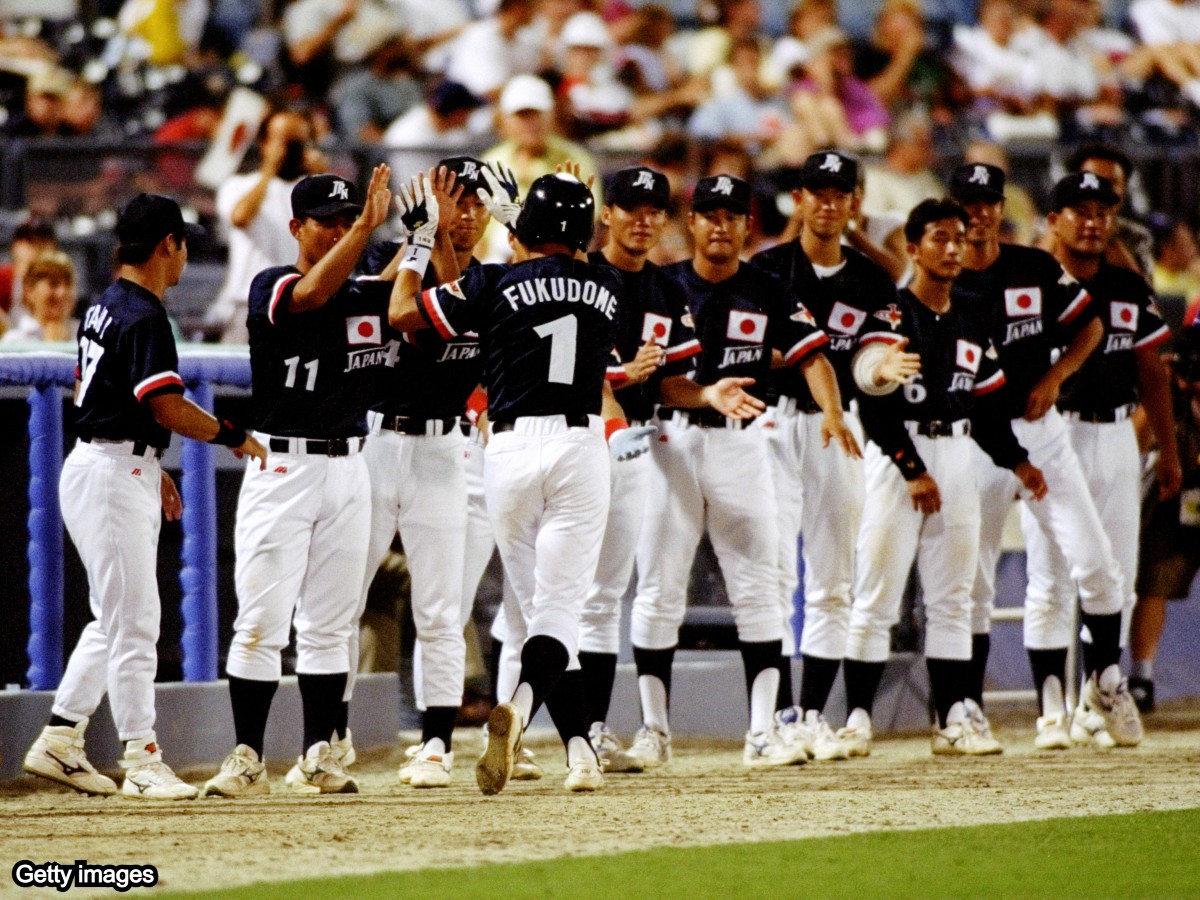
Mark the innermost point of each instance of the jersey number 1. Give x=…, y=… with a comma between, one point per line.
x=562, y=333
x=293, y=365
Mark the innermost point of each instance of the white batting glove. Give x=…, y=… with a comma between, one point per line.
x=500, y=195
x=630, y=443
x=419, y=212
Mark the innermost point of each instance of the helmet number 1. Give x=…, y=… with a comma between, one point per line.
x=562, y=333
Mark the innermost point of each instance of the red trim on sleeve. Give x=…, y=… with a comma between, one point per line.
x=1150, y=341
x=1076, y=306
x=992, y=384
x=155, y=382
x=428, y=302
x=683, y=351
x=806, y=348
x=277, y=293
x=880, y=337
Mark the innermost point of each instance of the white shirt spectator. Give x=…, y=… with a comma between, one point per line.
x=373, y=24
x=987, y=66
x=1164, y=22
x=415, y=130
x=1062, y=71
x=265, y=242
x=483, y=59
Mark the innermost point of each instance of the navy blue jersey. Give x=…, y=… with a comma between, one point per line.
x=547, y=327
x=653, y=310
x=315, y=373
x=854, y=306
x=1108, y=378
x=960, y=378
x=126, y=356
x=1034, y=308
x=741, y=319
x=434, y=377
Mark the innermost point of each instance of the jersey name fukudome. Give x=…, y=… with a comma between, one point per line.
x=561, y=290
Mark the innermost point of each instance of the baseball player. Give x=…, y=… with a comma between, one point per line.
x=1035, y=308
x=130, y=398
x=712, y=469
x=418, y=482
x=1097, y=404
x=819, y=490
x=546, y=324
x=920, y=476
x=317, y=345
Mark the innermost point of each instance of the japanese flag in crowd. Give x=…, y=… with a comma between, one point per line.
x=244, y=113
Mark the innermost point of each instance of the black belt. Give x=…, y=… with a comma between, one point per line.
x=572, y=422
x=139, y=447
x=1097, y=416
x=938, y=428
x=406, y=425
x=704, y=418
x=329, y=447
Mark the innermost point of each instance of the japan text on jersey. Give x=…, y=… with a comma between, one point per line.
x=314, y=373
x=547, y=327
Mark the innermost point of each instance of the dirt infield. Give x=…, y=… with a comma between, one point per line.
x=704, y=797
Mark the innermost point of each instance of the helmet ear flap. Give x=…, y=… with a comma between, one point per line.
x=557, y=210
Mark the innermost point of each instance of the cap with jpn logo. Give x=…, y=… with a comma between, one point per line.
x=324, y=196
x=632, y=187
x=722, y=192
x=830, y=169
x=974, y=182
x=1079, y=187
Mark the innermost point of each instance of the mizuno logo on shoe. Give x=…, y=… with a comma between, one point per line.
x=67, y=768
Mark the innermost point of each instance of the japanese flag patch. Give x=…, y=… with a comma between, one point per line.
x=1124, y=316
x=846, y=319
x=966, y=356
x=656, y=329
x=363, y=330
x=1022, y=302
x=747, y=327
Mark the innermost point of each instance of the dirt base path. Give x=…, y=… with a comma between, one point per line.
x=703, y=797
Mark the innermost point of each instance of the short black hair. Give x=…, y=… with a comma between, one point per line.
x=34, y=231
x=137, y=254
x=1108, y=152
x=929, y=211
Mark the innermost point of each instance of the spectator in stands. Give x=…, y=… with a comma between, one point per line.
x=734, y=21
x=1176, y=259
x=327, y=38
x=489, y=52
x=906, y=177
x=1020, y=212
x=452, y=118
x=545, y=34
x=255, y=209
x=83, y=112
x=167, y=30
x=830, y=105
x=984, y=57
x=897, y=66
x=1170, y=32
x=530, y=148
x=29, y=240
x=49, y=301
x=663, y=90
x=1130, y=245
x=368, y=99
x=42, y=115
x=751, y=113
x=591, y=97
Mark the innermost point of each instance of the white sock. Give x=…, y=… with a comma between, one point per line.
x=654, y=702
x=577, y=748
x=1143, y=668
x=434, y=747
x=762, y=700
x=522, y=699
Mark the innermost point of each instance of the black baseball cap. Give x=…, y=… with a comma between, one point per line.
x=630, y=188
x=469, y=172
x=722, y=192
x=323, y=196
x=974, y=182
x=450, y=97
x=148, y=218
x=830, y=169
x=1079, y=187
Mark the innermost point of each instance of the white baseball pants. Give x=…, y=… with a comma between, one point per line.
x=1066, y=512
x=945, y=546
x=112, y=506
x=600, y=626
x=1108, y=457
x=722, y=477
x=301, y=542
x=547, y=497
x=479, y=539
x=419, y=488
x=819, y=491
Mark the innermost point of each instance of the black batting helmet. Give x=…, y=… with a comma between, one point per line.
x=559, y=209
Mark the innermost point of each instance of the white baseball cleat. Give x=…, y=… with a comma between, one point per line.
x=495, y=766
x=771, y=748
x=981, y=726
x=790, y=722
x=58, y=754
x=318, y=771
x=960, y=737
x=1108, y=694
x=1052, y=733
x=242, y=774
x=147, y=777
x=344, y=750
x=1088, y=729
x=652, y=747
x=429, y=767
x=613, y=757
x=822, y=743
x=525, y=767
x=856, y=736
x=584, y=774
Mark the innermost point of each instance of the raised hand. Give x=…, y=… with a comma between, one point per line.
x=570, y=167
x=419, y=211
x=378, y=199
x=500, y=195
x=446, y=192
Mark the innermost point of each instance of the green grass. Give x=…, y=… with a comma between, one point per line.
x=1139, y=855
